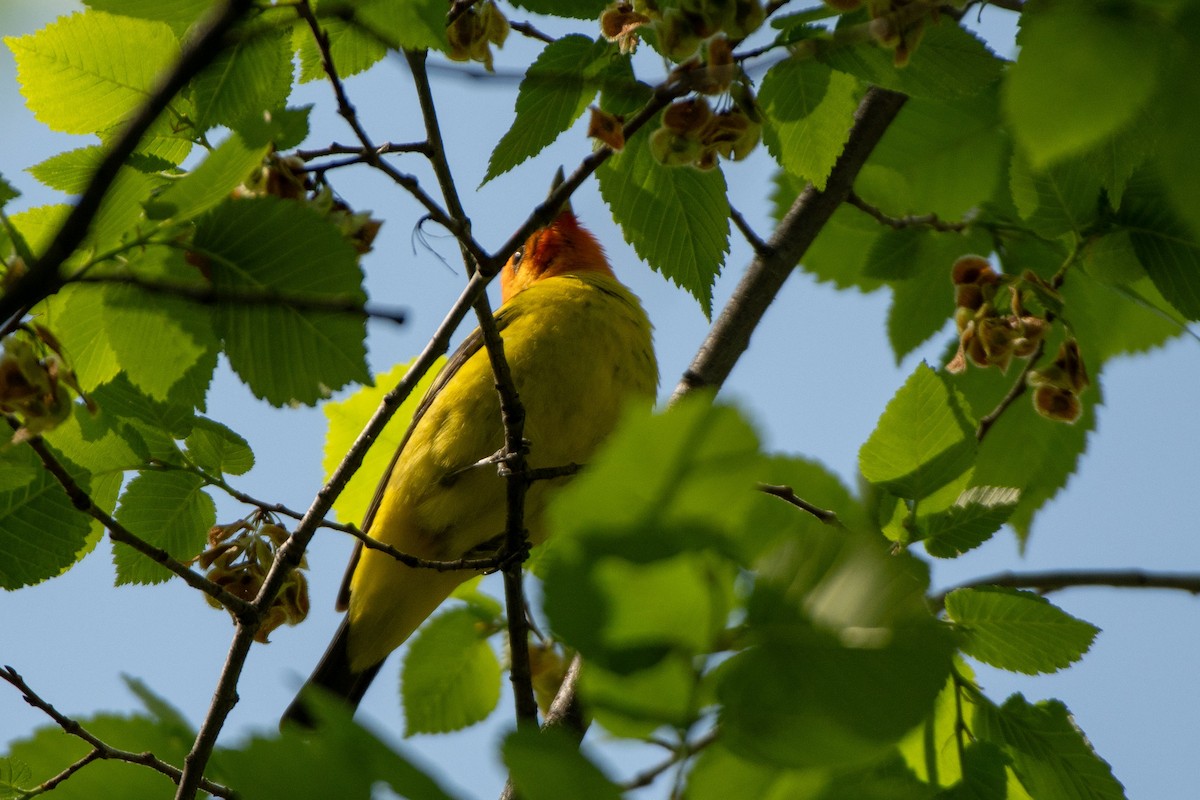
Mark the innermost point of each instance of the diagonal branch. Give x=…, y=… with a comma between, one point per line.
x=43, y=278
x=730, y=334
x=100, y=749
x=119, y=533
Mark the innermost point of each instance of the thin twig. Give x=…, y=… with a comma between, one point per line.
x=100, y=748
x=527, y=29
x=512, y=413
x=756, y=243
x=912, y=221
x=43, y=278
x=788, y=495
x=680, y=753
x=1053, y=581
x=211, y=295
x=336, y=149
x=1015, y=391
x=47, y=785
x=119, y=533
x=369, y=149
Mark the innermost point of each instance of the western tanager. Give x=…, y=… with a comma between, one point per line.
x=579, y=346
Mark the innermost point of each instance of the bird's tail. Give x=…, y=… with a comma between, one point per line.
x=333, y=674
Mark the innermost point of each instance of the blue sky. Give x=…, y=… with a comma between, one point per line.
x=818, y=374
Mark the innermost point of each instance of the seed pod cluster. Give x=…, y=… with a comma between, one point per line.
x=896, y=24
x=238, y=557
x=473, y=33
x=991, y=337
x=34, y=381
x=284, y=177
x=693, y=134
x=1056, y=388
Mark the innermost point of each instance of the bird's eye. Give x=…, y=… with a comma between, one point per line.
x=516, y=258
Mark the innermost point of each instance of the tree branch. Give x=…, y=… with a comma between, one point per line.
x=43, y=279
x=730, y=335
x=514, y=465
x=100, y=749
x=212, y=296
x=1053, y=581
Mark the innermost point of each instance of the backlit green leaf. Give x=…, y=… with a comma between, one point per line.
x=451, y=676
x=76, y=73
x=1018, y=631
x=41, y=532
x=676, y=218
x=808, y=109
x=168, y=510
x=925, y=438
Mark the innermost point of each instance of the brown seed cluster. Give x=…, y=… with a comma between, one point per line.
x=238, y=557
x=472, y=35
x=681, y=28
x=896, y=24
x=284, y=177
x=34, y=381
x=990, y=337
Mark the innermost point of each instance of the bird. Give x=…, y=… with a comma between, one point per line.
x=580, y=349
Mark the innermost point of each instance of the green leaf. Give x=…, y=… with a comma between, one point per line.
x=1110, y=320
x=1018, y=631
x=676, y=218
x=922, y=293
x=169, y=510
x=1049, y=753
x=556, y=89
x=638, y=704
x=76, y=314
x=337, y=758
x=402, y=24
x=71, y=171
x=949, y=61
x=283, y=352
x=348, y=417
x=975, y=516
x=7, y=192
x=948, y=155
x=179, y=14
x=696, y=464
x=214, y=447
x=451, y=676
x=925, y=438
x=251, y=76
x=548, y=765
x=76, y=73
x=984, y=776
x=211, y=181
x=1083, y=72
x=41, y=532
x=16, y=779
x=631, y=582
x=1166, y=247
x=157, y=342
x=840, y=251
x=1048, y=452
x=1061, y=199
x=846, y=657
x=352, y=49
x=809, y=110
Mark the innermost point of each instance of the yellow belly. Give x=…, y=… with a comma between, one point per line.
x=579, y=347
